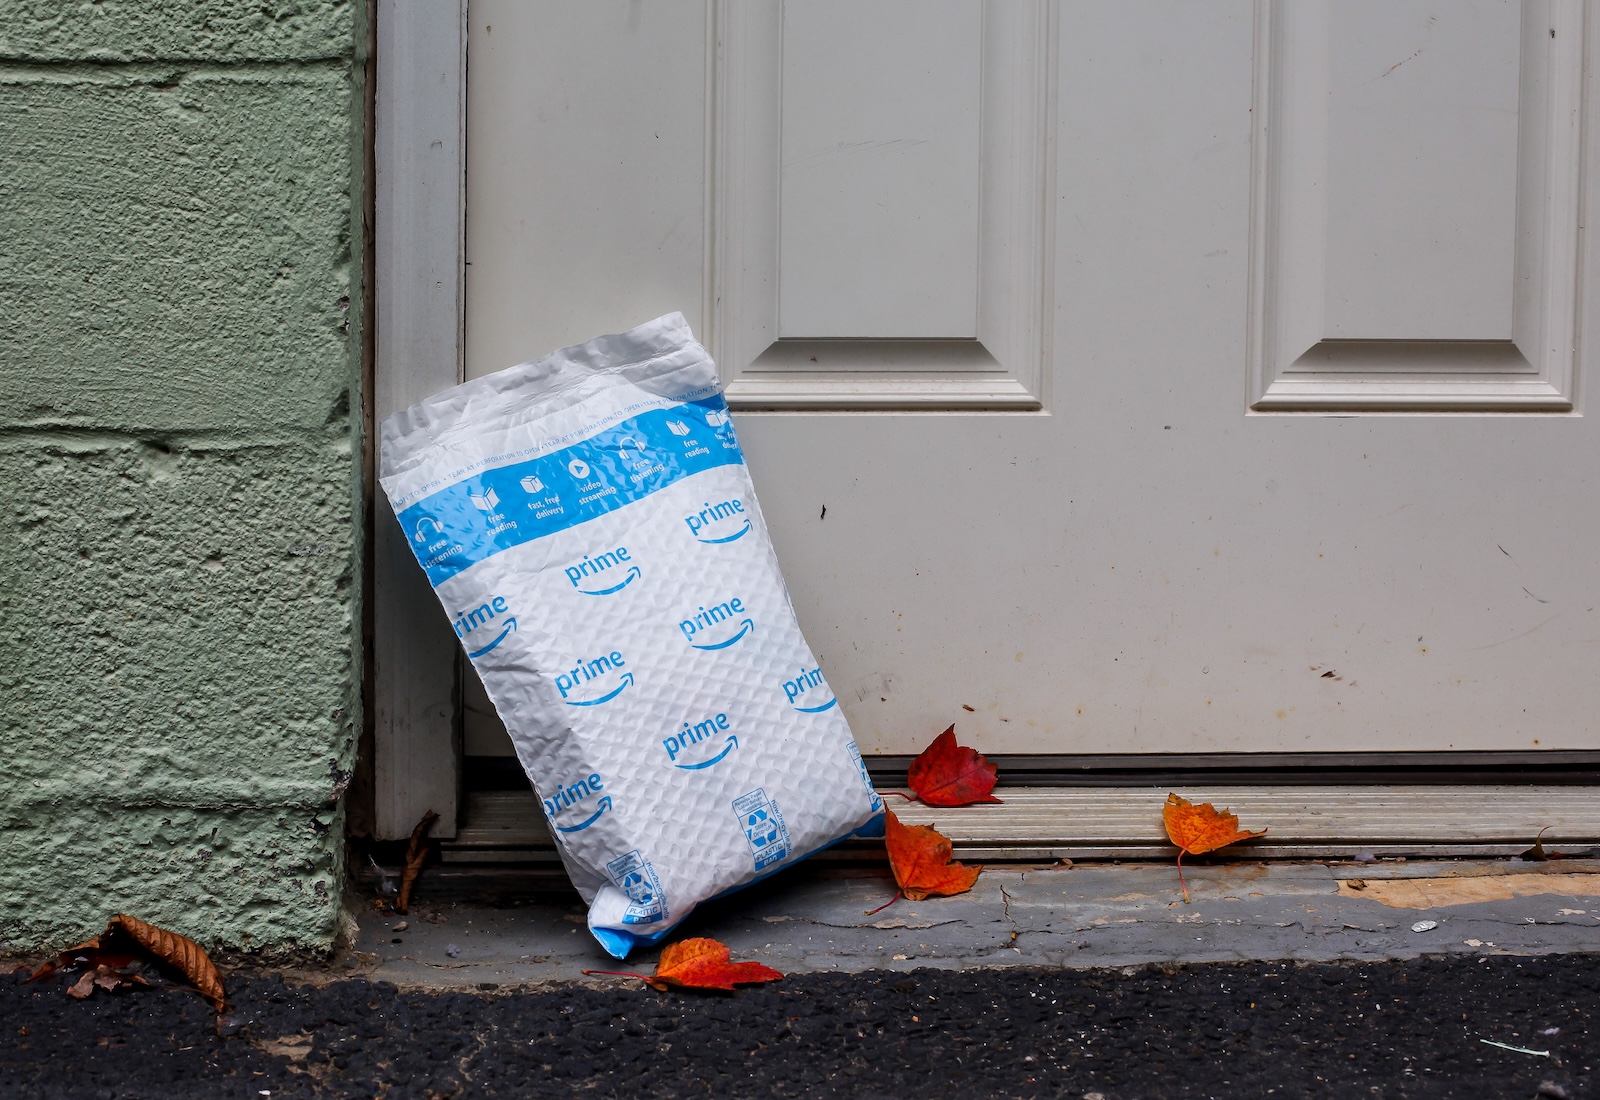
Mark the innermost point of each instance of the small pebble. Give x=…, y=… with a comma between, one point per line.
x=1365, y=857
x=1425, y=926
x=1551, y=1031
x=401, y=927
x=452, y=950
x=1552, y=1090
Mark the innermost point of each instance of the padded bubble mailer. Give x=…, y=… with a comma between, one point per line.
x=588, y=523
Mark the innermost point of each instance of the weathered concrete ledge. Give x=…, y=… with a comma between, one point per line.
x=1090, y=916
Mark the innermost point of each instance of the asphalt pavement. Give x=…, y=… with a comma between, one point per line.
x=1341, y=980
x=1450, y=1026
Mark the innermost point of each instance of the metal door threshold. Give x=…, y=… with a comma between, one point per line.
x=1038, y=824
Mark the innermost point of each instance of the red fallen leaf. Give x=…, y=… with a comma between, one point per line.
x=700, y=964
x=948, y=774
x=1199, y=829
x=919, y=856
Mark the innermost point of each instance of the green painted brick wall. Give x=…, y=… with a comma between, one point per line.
x=180, y=464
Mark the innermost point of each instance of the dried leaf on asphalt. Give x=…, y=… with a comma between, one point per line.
x=416, y=856
x=179, y=952
x=920, y=858
x=699, y=964
x=103, y=977
x=948, y=774
x=114, y=959
x=86, y=954
x=1197, y=829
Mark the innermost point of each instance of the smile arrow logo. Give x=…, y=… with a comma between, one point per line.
x=511, y=624
x=633, y=575
x=739, y=534
x=604, y=804
x=733, y=743
x=743, y=630
x=627, y=679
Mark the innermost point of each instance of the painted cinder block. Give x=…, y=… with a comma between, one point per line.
x=179, y=612
x=230, y=876
x=178, y=254
x=180, y=465
x=159, y=30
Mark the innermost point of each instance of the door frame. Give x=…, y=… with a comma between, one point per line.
x=419, y=243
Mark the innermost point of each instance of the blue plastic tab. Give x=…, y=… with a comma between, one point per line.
x=479, y=516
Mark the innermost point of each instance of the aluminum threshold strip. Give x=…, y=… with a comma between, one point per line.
x=1280, y=769
x=1050, y=823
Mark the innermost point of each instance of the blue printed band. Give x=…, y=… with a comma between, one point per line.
x=482, y=515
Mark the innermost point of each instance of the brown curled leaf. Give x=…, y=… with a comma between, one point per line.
x=179, y=952
x=66, y=958
x=416, y=856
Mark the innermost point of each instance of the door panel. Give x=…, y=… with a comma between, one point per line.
x=876, y=245
x=878, y=235
x=1173, y=458
x=1417, y=205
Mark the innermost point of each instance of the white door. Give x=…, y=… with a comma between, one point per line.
x=1116, y=377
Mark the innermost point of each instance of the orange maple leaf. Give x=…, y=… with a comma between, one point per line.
x=1199, y=829
x=699, y=964
x=920, y=859
x=948, y=774
x=704, y=964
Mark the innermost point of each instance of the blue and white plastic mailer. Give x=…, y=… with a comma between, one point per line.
x=589, y=525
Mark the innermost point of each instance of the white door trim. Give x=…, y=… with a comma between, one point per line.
x=419, y=244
